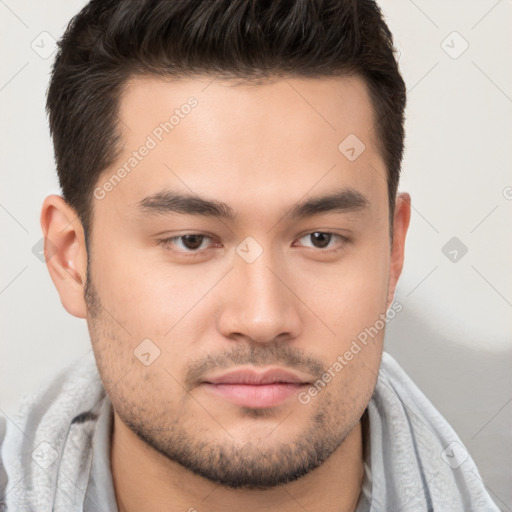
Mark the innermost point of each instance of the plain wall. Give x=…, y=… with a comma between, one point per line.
x=453, y=335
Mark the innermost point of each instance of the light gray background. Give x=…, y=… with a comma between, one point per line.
x=454, y=334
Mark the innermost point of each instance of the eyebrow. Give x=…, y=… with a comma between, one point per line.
x=166, y=202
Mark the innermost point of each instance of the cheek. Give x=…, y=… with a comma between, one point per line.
x=350, y=298
x=146, y=297
x=350, y=294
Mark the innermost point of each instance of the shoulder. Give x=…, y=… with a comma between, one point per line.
x=33, y=440
x=424, y=461
x=3, y=474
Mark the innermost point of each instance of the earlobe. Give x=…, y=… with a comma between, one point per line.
x=401, y=219
x=65, y=253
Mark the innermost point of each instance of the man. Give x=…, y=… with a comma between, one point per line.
x=231, y=231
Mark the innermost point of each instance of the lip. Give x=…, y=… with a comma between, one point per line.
x=248, y=388
x=249, y=376
x=255, y=395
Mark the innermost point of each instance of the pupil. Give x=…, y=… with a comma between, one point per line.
x=196, y=241
x=323, y=238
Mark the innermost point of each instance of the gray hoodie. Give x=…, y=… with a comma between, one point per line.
x=55, y=453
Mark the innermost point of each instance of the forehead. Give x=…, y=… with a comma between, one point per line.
x=245, y=142
x=304, y=106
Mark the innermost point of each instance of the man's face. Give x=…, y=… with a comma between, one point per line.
x=265, y=287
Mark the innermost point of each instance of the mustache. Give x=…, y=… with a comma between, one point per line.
x=279, y=354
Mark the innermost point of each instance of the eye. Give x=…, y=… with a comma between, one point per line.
x=188, y=243
x=322, y=240
x=194, y=244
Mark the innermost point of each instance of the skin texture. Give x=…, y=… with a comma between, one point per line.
x=261, y=149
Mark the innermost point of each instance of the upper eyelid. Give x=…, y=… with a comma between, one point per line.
x=342, y=238
x=177, y=237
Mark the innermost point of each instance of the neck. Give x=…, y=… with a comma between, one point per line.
x=146, y=480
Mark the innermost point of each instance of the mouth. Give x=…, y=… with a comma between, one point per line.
x=247, y=388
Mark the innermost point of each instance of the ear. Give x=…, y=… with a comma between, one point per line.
x=65, y=253
x=401, y=220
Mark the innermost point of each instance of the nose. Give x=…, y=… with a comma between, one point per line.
x=259, y=303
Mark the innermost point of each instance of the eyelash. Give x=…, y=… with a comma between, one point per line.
x=191, y=254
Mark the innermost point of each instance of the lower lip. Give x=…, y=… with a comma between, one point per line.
x=248, y=395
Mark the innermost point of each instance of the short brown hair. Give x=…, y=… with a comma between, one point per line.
x=110, y=41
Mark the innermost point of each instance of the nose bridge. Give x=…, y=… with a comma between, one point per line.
x=260, y=306
x=265, y=291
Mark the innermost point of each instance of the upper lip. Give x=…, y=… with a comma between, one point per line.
x=249, y=376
